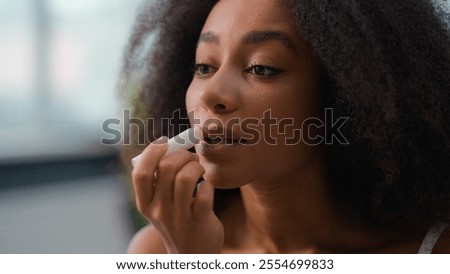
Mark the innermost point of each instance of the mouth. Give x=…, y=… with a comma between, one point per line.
x=218, y=140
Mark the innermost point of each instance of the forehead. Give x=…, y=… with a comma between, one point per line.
x=244, y=15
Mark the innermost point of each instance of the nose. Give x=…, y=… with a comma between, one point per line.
x=220, y=94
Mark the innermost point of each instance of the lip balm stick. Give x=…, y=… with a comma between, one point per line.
x=184, y=140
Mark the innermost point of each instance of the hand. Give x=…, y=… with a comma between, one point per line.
x=164, y=190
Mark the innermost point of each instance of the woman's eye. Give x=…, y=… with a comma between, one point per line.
x=263, y=71
x=203, y=69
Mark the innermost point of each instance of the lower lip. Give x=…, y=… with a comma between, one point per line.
x=216, y=149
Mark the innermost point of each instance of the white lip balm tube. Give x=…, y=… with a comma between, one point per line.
x=184, y=140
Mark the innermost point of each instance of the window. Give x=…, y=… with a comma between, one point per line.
x=59, y=68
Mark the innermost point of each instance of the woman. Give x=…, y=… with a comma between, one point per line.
x=374, y=181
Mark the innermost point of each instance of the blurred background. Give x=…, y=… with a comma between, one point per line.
x=61, y=190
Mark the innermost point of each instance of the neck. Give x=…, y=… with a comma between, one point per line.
x=296, y=213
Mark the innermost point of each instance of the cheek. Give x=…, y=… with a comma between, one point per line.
x=192, y=102
x=280, y=159
x=284, y=149
x=190, y=98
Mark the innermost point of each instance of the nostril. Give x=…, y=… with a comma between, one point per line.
x=220, y=107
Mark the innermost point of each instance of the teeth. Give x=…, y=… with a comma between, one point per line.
x=216, y=140
x=219, y=140
x=212, y=141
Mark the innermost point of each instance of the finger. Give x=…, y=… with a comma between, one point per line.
x=203, y=201
x=143, y=173
x=185, y=184
x=166, y=172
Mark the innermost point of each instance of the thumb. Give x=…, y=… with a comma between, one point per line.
x=204, y=200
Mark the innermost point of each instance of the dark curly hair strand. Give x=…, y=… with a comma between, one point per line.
x=386, y=66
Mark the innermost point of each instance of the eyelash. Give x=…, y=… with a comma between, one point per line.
x=272, y=70
x=197, y=68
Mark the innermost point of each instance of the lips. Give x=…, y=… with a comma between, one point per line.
x=227, y=137
x=220, y=140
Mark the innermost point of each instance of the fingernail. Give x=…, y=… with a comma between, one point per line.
x=161, y=140
x=200, y=180
x=199, y=183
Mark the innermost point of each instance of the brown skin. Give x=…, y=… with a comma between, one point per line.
x=285, y=205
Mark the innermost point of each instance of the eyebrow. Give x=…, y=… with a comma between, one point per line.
x=257, y=37
x=253, y=37
x=209, y=37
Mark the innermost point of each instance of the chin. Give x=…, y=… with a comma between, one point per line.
x=222, y=179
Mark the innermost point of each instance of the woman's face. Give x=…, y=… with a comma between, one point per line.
x=256, y=81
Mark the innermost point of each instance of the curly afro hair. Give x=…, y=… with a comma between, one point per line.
x=386, y=67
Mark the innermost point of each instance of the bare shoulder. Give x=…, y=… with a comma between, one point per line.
x=443, y=244
x=147, y=241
